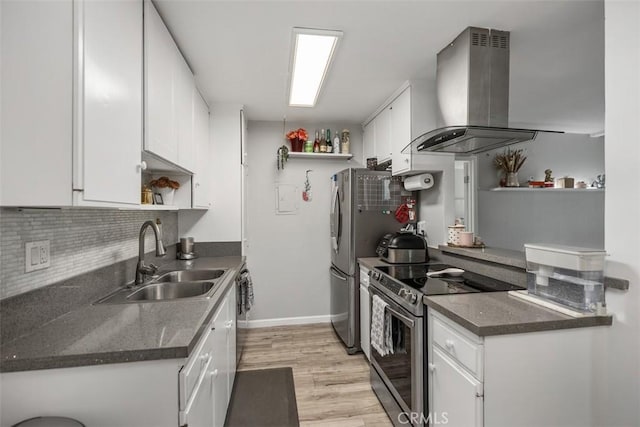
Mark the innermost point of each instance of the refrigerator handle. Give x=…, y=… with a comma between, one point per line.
x=337, y=220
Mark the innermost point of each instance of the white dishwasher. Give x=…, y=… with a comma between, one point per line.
x=365, y=306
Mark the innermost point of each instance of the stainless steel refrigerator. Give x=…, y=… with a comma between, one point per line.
x=362, y=207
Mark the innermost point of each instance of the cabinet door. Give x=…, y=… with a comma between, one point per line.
x=200, y=411
x=201, y=177
x=161, y=136
x=383, y=135
x=109, y=101
x=369, y=141
x=455, y=394
x=401, y=131
x=185, y=91
x=365, y=340
x=231, y=339
x=221, y=363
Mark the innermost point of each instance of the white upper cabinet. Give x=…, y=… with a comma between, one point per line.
x=161, y=75
x=71, y=103
x=169, y=89
x=109, y=102
x=185, y=97
x=369, y=141
x=400, y=132
x=383, y=135
x=201, y=177
x=407, y=114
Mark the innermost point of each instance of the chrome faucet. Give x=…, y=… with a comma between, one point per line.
x=143, y=270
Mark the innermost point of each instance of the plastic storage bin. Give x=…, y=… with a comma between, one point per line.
x=568, y=275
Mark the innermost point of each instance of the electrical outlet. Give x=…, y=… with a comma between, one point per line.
x=37, y=255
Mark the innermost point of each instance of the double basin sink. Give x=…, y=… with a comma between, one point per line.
x=172, y=285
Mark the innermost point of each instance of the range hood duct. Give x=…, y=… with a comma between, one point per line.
x=472, y=84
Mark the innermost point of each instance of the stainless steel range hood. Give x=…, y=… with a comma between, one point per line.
x=472, y=81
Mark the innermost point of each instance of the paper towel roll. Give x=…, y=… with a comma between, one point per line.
x=418, y=182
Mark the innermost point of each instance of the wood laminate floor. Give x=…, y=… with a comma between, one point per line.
x=332, y=388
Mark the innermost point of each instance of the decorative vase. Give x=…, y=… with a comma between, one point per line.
x=167, y=194
x=296, y=145
x=512, y=179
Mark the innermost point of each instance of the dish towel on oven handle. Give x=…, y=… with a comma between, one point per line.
x=381, y=339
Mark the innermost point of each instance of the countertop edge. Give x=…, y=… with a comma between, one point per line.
x=507, y=329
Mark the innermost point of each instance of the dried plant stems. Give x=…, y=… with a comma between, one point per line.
x=510, y=161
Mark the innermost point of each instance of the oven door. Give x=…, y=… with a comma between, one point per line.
x=402, y=371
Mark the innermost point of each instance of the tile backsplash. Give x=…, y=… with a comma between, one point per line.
x=82, y=240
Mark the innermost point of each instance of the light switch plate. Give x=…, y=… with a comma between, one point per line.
x=37, y=255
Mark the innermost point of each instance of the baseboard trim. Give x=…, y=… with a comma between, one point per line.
x=284, y=321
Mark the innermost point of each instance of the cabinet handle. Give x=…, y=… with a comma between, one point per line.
x=204, y=356
x=213, y=373
x=143, y=165
x=406, y=160
x=197, y=184
x=432, y=367
x=228, y=324
x=479, y=395
x=449, y=344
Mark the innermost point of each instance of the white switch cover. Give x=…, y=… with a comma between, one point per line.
x=37, y=255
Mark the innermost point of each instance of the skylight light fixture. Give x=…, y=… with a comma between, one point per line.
x=310, y=60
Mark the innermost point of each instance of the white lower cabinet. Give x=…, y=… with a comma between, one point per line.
x=212, y=369
x=514, y=380
x=365, y=305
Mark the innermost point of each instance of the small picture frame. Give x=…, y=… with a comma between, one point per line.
x=157, y=199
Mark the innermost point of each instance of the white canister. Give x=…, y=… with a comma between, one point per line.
x=454, y=234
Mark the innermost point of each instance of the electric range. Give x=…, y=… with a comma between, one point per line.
x=406, y=284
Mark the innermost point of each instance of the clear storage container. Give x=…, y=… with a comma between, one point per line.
x=567, y=275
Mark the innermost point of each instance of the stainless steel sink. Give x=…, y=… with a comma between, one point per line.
x=171, y=290
x=172, y=285
x=189, y=276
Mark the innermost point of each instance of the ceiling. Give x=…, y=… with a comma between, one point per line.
x=239, y=52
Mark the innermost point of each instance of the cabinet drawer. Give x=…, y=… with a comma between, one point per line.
x=195, y=366
x=468, y=353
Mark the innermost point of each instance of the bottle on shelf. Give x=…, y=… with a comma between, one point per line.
x=329, y=142
x=316, y=143
x=336, y=143
x=345, y=141
x=323, y=141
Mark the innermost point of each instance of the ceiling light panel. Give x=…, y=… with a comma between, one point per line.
x=311, y=57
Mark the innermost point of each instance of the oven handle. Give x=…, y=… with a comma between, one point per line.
x=402, y=317
x=409, y=322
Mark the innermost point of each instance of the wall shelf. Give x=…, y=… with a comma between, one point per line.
x=320, y=156
x=151, y=208
x=544, y=190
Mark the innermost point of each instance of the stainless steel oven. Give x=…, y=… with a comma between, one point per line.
x=398, y=378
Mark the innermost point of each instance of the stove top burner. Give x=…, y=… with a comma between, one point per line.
x=415, y=276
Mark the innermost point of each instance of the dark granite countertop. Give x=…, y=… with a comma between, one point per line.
x=99, y=334
x=498, y=313
x=372, y=262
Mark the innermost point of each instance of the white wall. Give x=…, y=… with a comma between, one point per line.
x=509, y=219
x=222, y=222
x=289, y=255
x=617, y=350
